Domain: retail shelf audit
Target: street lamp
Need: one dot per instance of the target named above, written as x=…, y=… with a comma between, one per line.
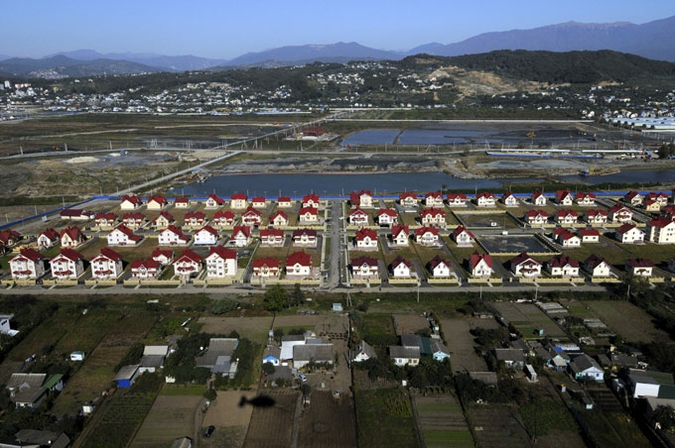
x=418, y=290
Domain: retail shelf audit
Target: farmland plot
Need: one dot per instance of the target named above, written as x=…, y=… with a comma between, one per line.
x=273, y=427
x=253, y=328
x=628, y=321
x=170, y=417
x=527, y=318
x=328, y=422
x=461, y=344
x=498, y=425
x=441, y=421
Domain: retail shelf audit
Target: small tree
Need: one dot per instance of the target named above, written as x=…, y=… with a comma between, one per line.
x=268, y=368
x=275, y=299
x=297, y=297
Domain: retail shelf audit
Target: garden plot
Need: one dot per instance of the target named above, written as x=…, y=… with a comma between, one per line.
x=254, y=328
x=409, y=323
x=463, y=355
x=441, y=422
x=527, y=318
x=628, y=321
x=328, y=422
x=272, y=427
x=169, y=418
x=498, y=425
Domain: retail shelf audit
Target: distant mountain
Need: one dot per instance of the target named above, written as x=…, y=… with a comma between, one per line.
x=653, y=40
x=4, y=56
x=61, y=67
x=163, y=62
x=339, y=52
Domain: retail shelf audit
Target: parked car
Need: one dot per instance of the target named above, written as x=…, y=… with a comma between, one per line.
x=209, y=431
x=302, y=377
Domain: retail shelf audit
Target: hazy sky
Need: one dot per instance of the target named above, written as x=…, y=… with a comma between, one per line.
x=226, y=29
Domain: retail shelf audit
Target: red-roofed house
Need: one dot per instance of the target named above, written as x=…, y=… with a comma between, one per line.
x=640, y=267
x=272, y=237
x=427, y=236
x=596, y=217
x=67, y=265
x=439, y=267
x=266, y=267
x=145, y=269
x=564, y=197
x=133, y=220
x=358, y=217
x=9, y=238
x=76, y=214
x=480, y=265
x=566, y=238
x=408, y=199
x=652, y=206
x=299, y=264
x=400, y=267
x=586, y=199
x=189, y=264
x=661, y=230
x=163, y=256
x=284, y=202
x=194, y=220
x=305, y=237
x=29, y=264
x=387, y=217
x=207, y=235
x=659, y=197
x=457, y=200
x=105, y=220
x=238, y=201
x=123, y=236
x=630, y=234
x=566, y=217
x=363, y=198
x=107, y=265
x=182, y=202
x=173, y=236
x=536, y=217
x=221, y=262
x=309, y=215
x=47, y=238
x=213, y=202
x=365, y=267
x=400, y=235
x=525, y=266
x=130, y=203
x=589, y=235
x=279, y=219
x=563, y=266
x=366, y=239
x=486, y=199
x=597, y=266
x=509, y=200
x=163, y=221
x=463, y=237
x=157, y=202
x=633, y=197
x=538, y=199
x=259, y=202
x=433, y=217
x=433, y=199
x=620, y=213
x=241, y=235
x=224, y=219
x=71, y=237
x=251, y=217
x=310, y=200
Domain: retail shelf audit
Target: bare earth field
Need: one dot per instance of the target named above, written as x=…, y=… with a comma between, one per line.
x=170, y=417
x=328, y=422
x=273, y=427
x=460, y=342
x=498, y=426
x=230, y=420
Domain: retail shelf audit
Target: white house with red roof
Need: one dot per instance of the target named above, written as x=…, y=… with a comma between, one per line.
x=463, y=237
x=29, y=264
x=47, y=238
x=299, y=264
x=225, y=218
x=76, y=214
x=365, y=268
x=652, y=206
x=259, y=202
x=305, y=237
x=597, y=266
x=661, y=230
x=71, y=237
x=620, y=213
x=145, y=269
x=400, y=235
x=630, y=234
x=266, y=268
x=427, y=236
x=566, y=238
x=163, y=220
x=188, y=264
x=660, y=197
x=358, y=217
x=433, y=217
x=238, y=201
x=525, y=266
x=123, y=236
x=439, y=267
x=284, y=202
x=566, y=217
x=221, y=262
x=433, y=199
x=633, y=198
x=387, y=217
x=67, y=265
x=538, y=199
x=309, y=215
x=586, y=199
x=241, y=235
x=105, y=220
x=509, y=199
x=311, y=200
x=213, y=202
x=207, y=235
x=486, y=199
x=408, y=199
x=157, y=202
x=251, y=217
x=564, y=197
x=640, y=267
x=400, y=267
x=195, y=220
x=181, y=202
x=480, y=265
x=596, y=217
x=363, y=198
x=538, y=217
x=162, y=256
x=130, y=203
x=279, y=219
x=457, y=200
x=173, y=236
x=563, y=266
x=589, y=235
x=272, y=237
x=133, y=220
x=107, y=265
x=9, y=238
x=366, y=239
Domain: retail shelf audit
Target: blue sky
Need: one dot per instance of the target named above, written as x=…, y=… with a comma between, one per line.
x=226, y=29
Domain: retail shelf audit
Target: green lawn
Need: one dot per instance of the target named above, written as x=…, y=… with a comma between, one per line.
x=448, y=438
x=384, y=419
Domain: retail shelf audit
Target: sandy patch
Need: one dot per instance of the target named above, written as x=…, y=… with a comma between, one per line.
x=83, y=159
x=225, y=410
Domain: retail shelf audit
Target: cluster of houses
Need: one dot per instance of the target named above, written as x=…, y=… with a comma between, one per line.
x=299, y=351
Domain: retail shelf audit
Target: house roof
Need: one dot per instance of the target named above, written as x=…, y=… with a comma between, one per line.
x=135, y=216
x=132, y=199
x=164, y=214
x=32, y=380
x=208, y=229
x=30, y=254
x=432, y=212
x=462, y=229
x=396, y=229
x=477, y=258
x=196, y=215
x=271, y=351
x=310, y=210
x=360, y=261
x=640, y=263
x=222, y=252
x=266, y=233
x=217, y=199
x=148, y=264
x=628, y=228
x=509, y=354
x=310, y=197
x=594, y=260
x=226, y=214
x=582, y=363
x=69, y=253
x=366, y=348
x=284, y=199
x=246, y=230
x=74, y=233
x=124, y=229
x=158, y=252
x=239, y=197
x=588, y=232
x=400, y=260
x=316, y=352
x=110, y=254
x=110, y=216
x=279, y=213
x=358, y=212
x=266, y=261
x=560, y=261
x=438, y=260
x=408, y=195
x=126, y=372
x=188, y=256
x=250, y=211
x=522, y=258
x=387, y=211
x=398, y=351
x=364, y=233
x=301, y=232
x=420, y=231
x=302, y=258
x=181, y=200
x=50, y=233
